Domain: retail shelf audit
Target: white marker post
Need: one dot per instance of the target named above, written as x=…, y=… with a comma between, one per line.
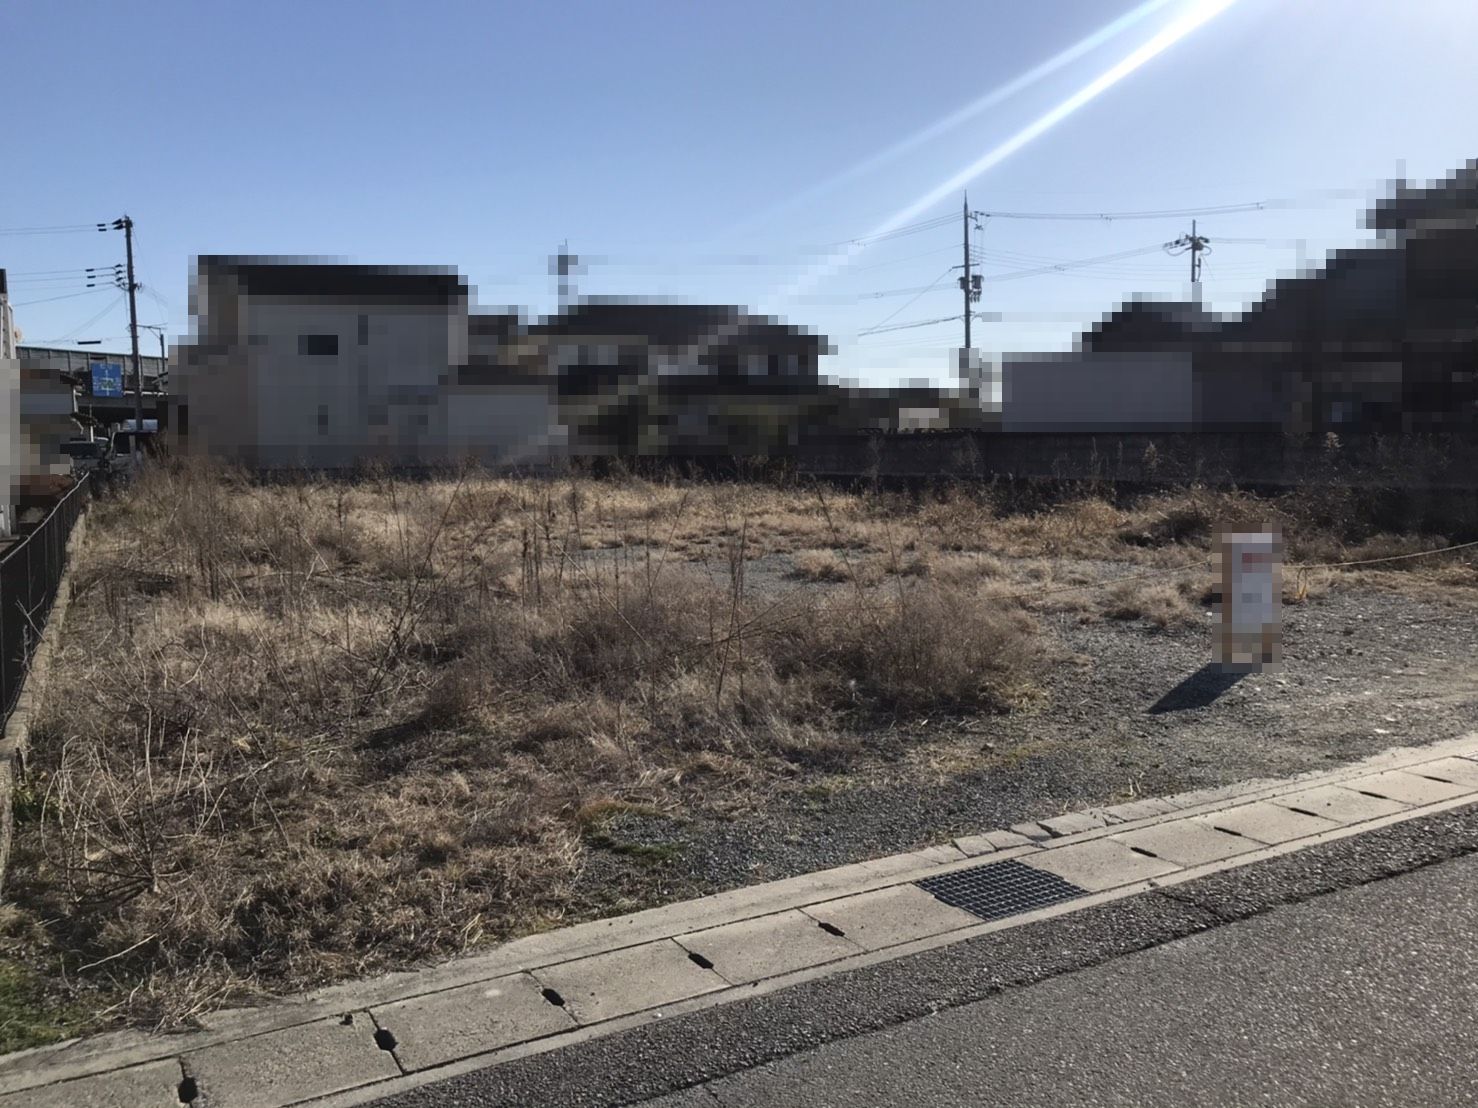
x=1250, y=636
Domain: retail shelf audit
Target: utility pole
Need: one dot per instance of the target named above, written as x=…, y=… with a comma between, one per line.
x=1195, y=244
x=125, y=224
x=970, y=288
x=969, y=283
x=565, y=263
x=965, y=279
x=163, y=357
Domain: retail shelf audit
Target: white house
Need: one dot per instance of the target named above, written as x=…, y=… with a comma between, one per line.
x=298, y=363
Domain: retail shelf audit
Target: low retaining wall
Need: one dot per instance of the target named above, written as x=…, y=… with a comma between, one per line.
x=14, y=739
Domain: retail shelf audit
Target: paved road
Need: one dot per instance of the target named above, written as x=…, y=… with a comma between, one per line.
x=1364, y=997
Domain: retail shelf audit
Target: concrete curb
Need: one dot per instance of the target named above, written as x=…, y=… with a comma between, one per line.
x=15, y=739
x=660, y=1058
x=609, y=976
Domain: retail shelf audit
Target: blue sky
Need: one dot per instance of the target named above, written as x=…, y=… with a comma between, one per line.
x=679, y=146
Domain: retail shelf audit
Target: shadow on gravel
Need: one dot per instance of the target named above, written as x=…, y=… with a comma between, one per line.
x=1198, y=690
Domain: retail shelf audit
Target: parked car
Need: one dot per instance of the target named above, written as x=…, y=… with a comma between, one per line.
x=123, y=446
x=89, y=455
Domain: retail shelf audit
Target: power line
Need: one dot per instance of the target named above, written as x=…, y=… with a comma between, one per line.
x=1080, y=263
x=68, y=296
x=899, y=261
x=899, y=311
x=1174, y=213
x=899, y=232
x=880, y=330
x=88, y=323
x=53, y=272
x=65, y=229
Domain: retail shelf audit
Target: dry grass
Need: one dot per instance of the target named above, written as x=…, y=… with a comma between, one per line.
x=316, y=730
x=1163, y=603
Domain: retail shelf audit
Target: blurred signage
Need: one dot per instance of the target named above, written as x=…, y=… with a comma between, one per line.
x=1252, y=594
x=107, y=379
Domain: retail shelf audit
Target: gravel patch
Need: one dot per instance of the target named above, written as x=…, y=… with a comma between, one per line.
x=1139, y=713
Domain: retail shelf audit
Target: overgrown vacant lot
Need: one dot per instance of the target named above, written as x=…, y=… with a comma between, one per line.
x=301, y=732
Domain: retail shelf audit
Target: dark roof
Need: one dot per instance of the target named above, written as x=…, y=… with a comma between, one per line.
x=501, y=324
x=1359, y=291
x=664, y=324
x=1141, y=325
x=265, y=276
x=1454, y=198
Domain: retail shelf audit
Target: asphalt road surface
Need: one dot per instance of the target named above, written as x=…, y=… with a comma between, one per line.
x=1367, y=996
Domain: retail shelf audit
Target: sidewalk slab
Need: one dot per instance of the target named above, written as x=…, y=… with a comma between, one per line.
x=1007, y=840
x=155, y=1085
x=1142, y=809
x=1343, y=805
x=630, y=980
x=1071, y=824
x=754, y=949
x=972, y=846
x=1186, y=842
x=459, y=1023
x=1269, y=823
x=889, y=917
x=1099, y=864
x=1409, y=788
x=1461, y=771
x=284, y=1067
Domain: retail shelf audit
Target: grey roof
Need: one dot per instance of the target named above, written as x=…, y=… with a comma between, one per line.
x=308, y=277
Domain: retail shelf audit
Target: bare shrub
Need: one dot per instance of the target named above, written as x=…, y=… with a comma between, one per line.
x=1163, y=603
x=929, y=649
x=819, y=565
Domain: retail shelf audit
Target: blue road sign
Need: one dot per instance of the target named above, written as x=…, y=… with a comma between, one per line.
x=107, y=379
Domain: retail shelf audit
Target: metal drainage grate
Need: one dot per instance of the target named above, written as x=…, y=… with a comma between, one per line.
x=999, y=889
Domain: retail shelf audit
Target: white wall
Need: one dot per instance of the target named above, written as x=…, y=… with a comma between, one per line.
x=1096, y=392
x=380, y=398
x=513, y=424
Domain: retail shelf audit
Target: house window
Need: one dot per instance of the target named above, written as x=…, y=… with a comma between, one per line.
x=318, y=344
x=364, y=330
x=323, y=419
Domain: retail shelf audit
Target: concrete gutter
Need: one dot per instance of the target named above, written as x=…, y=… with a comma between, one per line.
x=15, y=738
x=370, y=1039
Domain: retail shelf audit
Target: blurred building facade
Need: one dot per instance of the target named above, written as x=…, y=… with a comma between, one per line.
x=299, y=363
